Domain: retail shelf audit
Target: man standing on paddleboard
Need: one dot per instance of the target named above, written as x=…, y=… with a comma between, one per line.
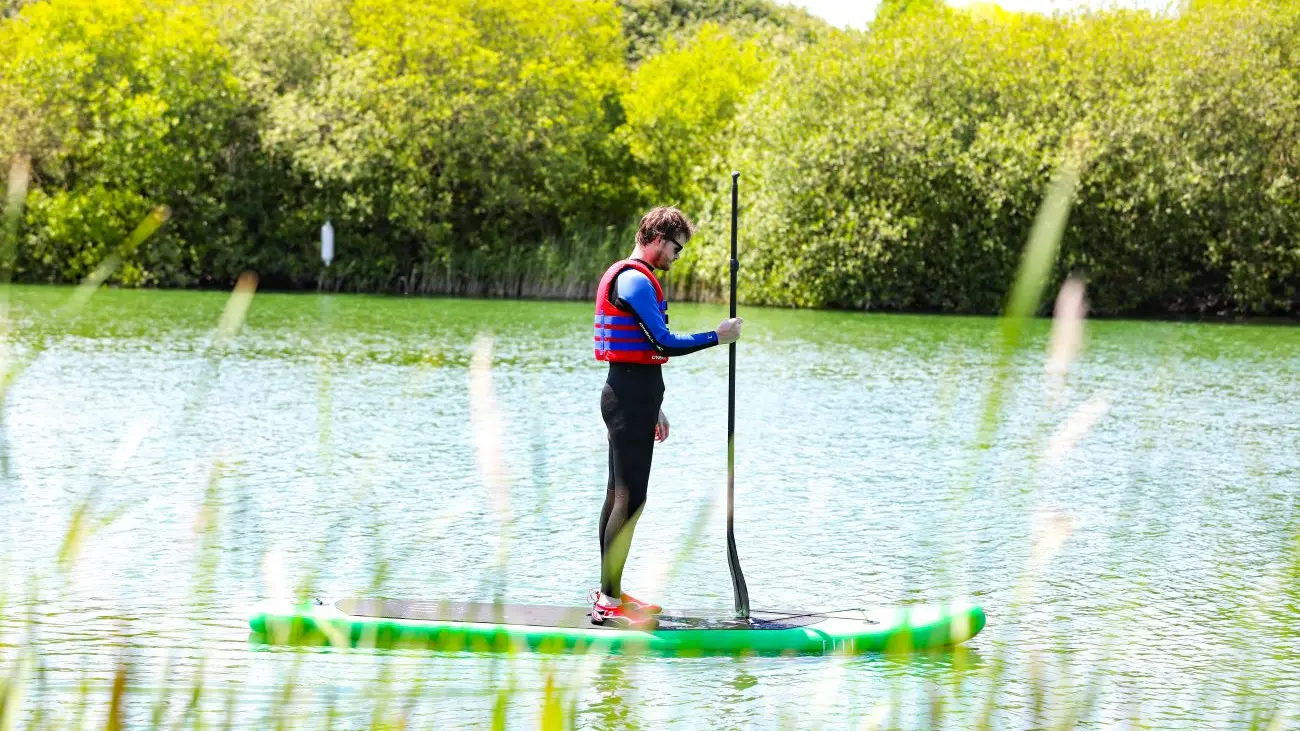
x=632, y=335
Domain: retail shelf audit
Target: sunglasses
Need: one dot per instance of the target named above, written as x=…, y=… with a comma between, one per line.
x=677, y=247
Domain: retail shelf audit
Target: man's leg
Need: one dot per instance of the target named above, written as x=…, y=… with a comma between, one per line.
x=608, y=507
x=631, y=473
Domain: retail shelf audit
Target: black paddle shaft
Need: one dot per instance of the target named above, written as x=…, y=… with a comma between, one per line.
x=733, y=560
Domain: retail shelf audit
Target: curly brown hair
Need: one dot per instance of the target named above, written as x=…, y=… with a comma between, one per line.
x=663, y=221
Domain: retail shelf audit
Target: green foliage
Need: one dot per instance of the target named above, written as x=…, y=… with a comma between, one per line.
x=124, y=105
x=70, y=233
x=11, y=7
x=1193, y=177
x=896, y=168
x=461, y=125
x=282, y=45
x=680, y=103
x=912, y=159
x=889, y=10
x=650, y=24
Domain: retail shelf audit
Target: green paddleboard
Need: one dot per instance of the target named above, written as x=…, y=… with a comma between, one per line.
x=454, y=626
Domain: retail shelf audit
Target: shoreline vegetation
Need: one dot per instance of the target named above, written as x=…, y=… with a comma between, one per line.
x=506, y=148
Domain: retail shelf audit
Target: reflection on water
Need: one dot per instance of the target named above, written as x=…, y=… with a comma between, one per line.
x=1148, y=568
x=615, y=693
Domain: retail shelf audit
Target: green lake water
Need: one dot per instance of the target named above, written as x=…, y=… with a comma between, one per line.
x=1146, y=567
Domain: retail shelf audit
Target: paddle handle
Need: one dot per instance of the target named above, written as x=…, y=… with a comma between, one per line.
x=733, y=559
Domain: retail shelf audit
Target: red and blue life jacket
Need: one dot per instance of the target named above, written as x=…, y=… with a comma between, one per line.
x=619, y=337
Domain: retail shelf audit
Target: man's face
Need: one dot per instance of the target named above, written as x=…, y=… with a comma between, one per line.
x=666, y=250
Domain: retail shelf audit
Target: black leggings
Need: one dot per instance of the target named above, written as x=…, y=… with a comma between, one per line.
x=630, y=405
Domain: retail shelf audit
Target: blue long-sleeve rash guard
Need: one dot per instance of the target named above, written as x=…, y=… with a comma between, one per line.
x=633, y=291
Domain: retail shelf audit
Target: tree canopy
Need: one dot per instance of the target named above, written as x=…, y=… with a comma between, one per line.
x=494, y=141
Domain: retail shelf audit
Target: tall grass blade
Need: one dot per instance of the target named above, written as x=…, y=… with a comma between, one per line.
x=146, y=228
x=117, y=700
x=1035, y=269
x=485, y=421
x=20, y=175
x=1066, y=339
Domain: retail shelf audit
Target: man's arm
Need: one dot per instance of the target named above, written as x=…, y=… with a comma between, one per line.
x=635, y=293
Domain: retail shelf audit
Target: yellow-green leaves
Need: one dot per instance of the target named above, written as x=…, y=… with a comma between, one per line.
x=901, y=168
x=460, y=120
x=898, y=167
x=680, y=103
x=123, y=106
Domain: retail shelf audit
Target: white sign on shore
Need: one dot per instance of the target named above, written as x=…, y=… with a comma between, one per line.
x=327, y=243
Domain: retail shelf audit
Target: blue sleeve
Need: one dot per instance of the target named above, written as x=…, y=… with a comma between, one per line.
x=636, y=293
